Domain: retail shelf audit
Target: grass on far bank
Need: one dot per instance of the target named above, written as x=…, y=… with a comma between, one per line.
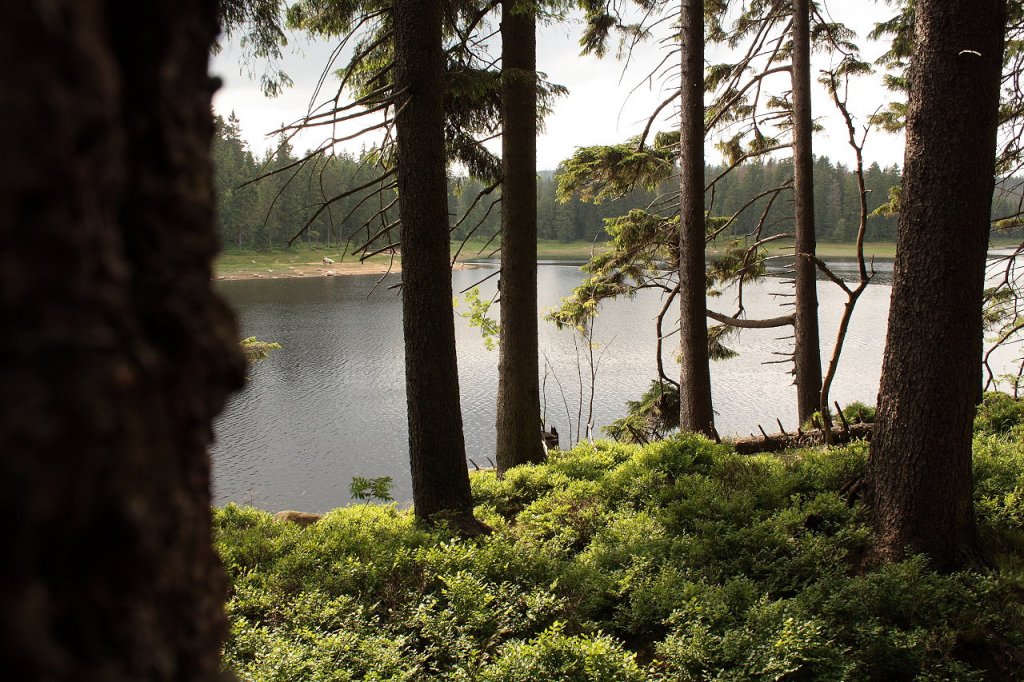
x=838, y=249
x=234, y=261
x=679, y=560
x=582, y=250
x=237, y=261
x=875, y=249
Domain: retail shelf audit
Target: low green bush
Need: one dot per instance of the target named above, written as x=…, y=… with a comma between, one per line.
x=998, y=414
x=854, y=413
x=859, y=413
x=553, y=655
x=679, y=560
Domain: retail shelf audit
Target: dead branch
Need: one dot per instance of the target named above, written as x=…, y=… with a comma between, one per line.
x=769, y=323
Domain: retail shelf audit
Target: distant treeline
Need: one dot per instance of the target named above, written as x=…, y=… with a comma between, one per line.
x=267, y=213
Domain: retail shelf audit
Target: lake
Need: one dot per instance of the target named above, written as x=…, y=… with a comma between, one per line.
x=330, y=404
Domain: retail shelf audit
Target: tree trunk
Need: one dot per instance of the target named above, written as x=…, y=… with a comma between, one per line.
x=437, y=451
x=919, y=472
x=695, y=407
x=518, y=421
x=117, y=353
x=807, y=352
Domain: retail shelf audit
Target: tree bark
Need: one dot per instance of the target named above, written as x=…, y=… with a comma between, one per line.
x=695, y=411
x=116, y=353
x=919, y=473
x=777, y=442
x=807, y=353
x=437, y=450
x=518, y=413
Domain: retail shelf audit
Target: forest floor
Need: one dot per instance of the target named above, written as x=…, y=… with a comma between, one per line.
x=678, y=560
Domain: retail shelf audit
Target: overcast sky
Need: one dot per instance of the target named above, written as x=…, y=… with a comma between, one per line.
x=605, y=103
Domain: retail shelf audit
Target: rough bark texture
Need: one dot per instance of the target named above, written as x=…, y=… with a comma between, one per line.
x=807, y=353
x=518, y=420
x=919, y=472
x=116, y=352
x=695, y=411
x=437, y=450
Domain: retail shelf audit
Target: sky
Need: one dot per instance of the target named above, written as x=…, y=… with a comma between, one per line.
x=608, y=101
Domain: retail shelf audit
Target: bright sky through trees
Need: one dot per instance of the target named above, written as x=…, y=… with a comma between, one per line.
x=604, y=104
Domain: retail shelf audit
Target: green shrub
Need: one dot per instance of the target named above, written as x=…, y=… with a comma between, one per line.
x=315, y=637
x=460, y=625
x=769, y=643
x=553, y=655
x=591, y=461
x=520, y=486
x=859, y=413
x=999, y=495
x=998, y=414
x=855, y=413
x=248, y=539
x=816, y=469
x=643, y=476
x=565, y=520
x=679, y=560
x=903, y=621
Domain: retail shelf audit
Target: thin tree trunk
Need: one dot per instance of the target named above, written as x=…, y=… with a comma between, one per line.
x=807, y=354
x=117, y=353
x=518, y=421
x=696, y=412
x=852, y=295
x=437, y=451
x=919, y=473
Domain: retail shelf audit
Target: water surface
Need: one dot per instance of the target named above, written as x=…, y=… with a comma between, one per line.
x=331, y=404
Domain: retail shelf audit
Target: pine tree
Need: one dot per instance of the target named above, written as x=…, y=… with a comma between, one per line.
x=119, y=349
x=919, y=472
x=518, y=408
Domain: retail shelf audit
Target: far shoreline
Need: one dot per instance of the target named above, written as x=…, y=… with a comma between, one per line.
x=309, y=262
x=260, y=270
x=265, y=270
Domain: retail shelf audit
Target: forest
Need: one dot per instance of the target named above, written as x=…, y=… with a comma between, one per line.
x=264, y=215
x=878, y=541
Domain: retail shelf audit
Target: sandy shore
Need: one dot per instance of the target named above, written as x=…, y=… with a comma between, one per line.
x=317, y=270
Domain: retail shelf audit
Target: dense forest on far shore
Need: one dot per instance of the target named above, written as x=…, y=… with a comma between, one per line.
x=266, y=214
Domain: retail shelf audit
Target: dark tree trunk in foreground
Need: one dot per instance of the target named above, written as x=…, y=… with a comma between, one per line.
x=116, y=352
x=518, y=422
x=437, y=451
x=696, y=413
x=919, y=472
x=807, y=350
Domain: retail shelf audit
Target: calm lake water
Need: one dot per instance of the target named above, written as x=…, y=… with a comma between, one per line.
x=330, y=404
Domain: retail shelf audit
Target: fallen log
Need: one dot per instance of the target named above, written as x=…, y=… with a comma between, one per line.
x=776, y=442
x=302, y=519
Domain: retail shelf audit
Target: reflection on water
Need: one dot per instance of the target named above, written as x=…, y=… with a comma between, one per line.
x=331, y=404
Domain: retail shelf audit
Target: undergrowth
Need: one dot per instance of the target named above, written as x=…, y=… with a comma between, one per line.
x=675, y=561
